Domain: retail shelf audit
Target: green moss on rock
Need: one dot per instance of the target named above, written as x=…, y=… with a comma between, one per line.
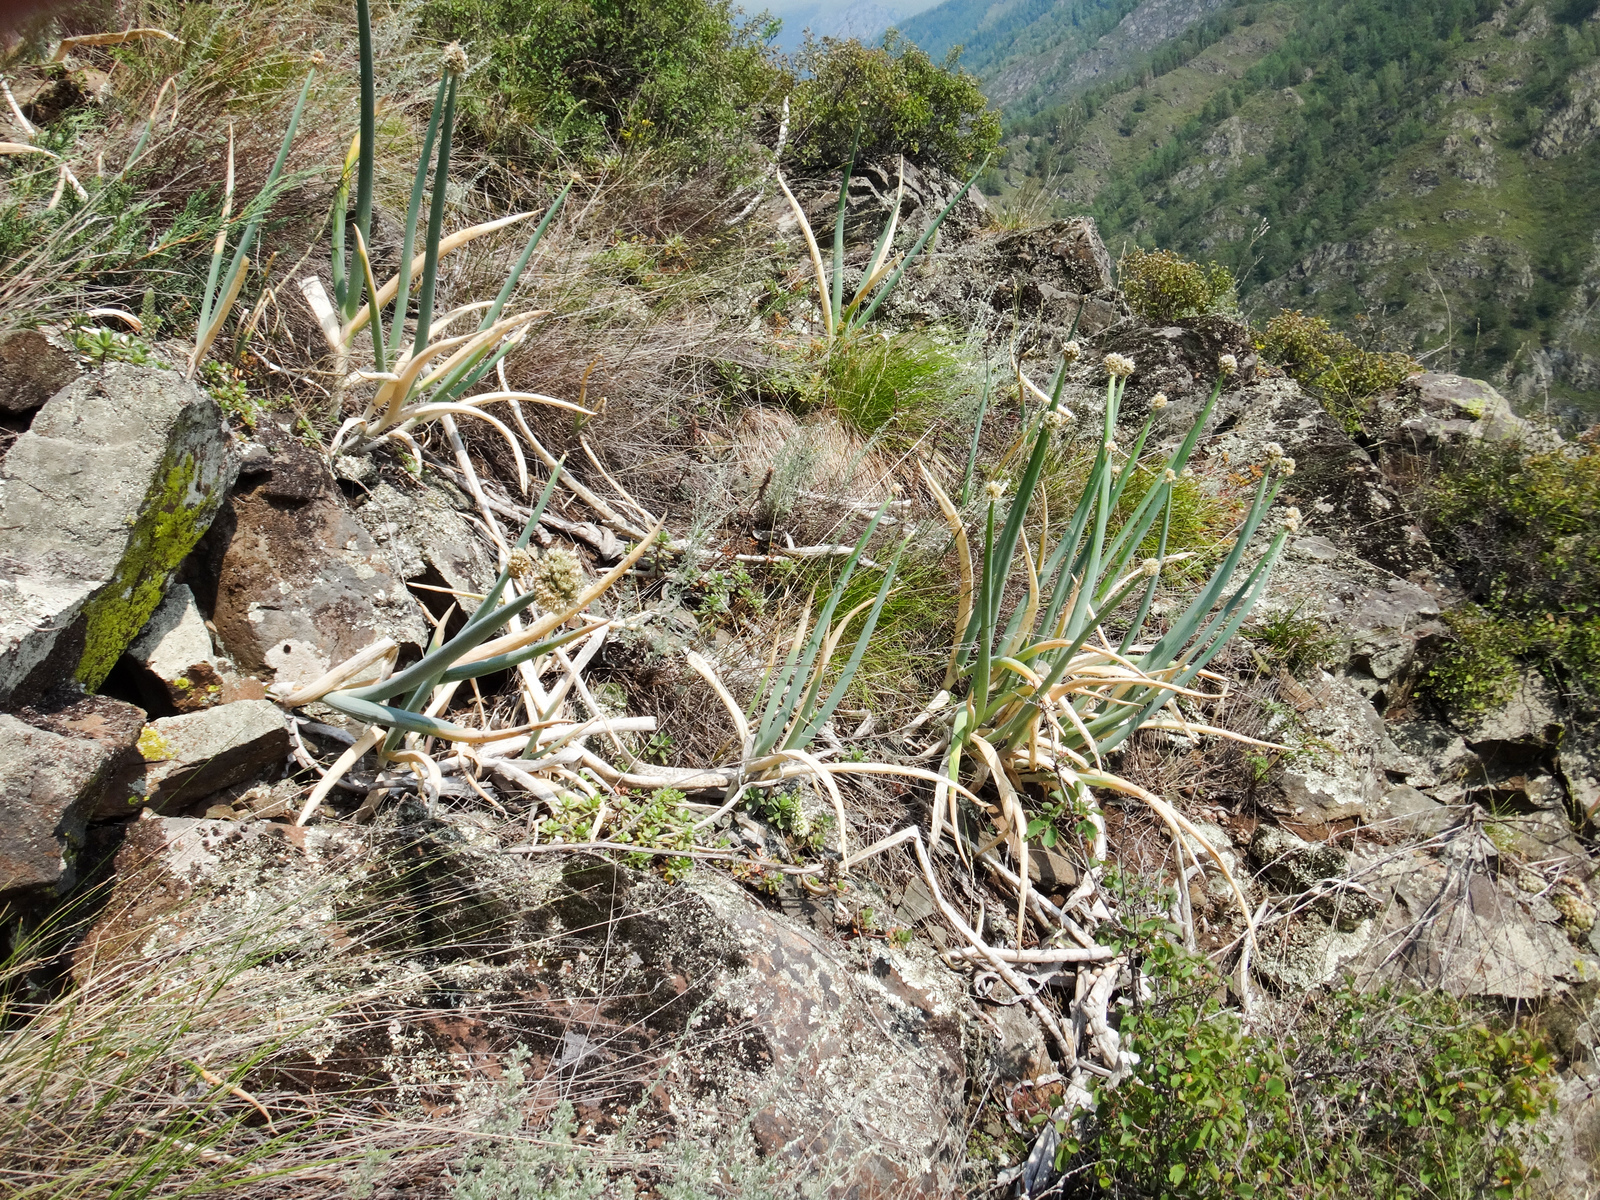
x=175, y=513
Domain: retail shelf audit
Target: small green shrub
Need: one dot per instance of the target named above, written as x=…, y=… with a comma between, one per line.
x=1523, y=531
x=1372, y=1094
x=902, y=101
x=574, y=78
x=1162, y=286
x=1479, y=670
x=1340, y=373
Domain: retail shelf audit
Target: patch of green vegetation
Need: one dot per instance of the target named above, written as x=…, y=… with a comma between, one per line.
x=1293, y=641
x=1373, y=1093
x=1332, y=367
x=901, y=100
x=895, y=387
x=1161, y=286
x=911, y=643
x=657, y=821
x=1524, y=533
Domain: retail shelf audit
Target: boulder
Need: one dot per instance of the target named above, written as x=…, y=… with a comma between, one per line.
x=1038, y=284
x=188, y=757
x=32, y=369
x=1529, y=723
x=1336, y=771
x=1181, y=359
x=301, y=585
x=113, y=484
x=1434, y=410
x=55, y=769
x=174, y=653
x=1417, y=813
x=1451, y=921
x=687, y=1010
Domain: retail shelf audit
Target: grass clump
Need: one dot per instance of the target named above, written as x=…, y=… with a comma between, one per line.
x=1376, y=1093
x=1162, y=286
x=898, y=386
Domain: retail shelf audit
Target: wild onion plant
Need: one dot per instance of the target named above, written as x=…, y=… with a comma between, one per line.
x=411, y=389
x=841, y=319
x=1048, y=690
x=407, y=702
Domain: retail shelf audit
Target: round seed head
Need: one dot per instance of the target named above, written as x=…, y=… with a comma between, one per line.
x=454, y=59
x=521, y=564
x=1274, y=452
x=1056, y=420
x=1228, y=364
x=1119, y=366
x=1151, y=566
x=1286, y=465
x=318, y=58
x=1171, y=476
x=1158, y=401
x=1291, y=520
x=994, y=489
x=557, y=579
x=1072, y=351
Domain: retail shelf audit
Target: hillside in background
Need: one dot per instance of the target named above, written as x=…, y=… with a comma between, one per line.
x=1422, y=170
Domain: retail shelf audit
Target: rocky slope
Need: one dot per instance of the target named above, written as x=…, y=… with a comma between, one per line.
x=414, y=954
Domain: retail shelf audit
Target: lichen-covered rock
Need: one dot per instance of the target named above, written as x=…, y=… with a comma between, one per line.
x=690, y=1010
x=1433, y=410
x=174, y=653
x=187, y=757
x=1335, y=770
x=1181, y=359
x=301, y=585
x=55, y=768
x=425, y=538
x=1035, y=283
x=111, y=487
x=1451, y=921
x=32, y=369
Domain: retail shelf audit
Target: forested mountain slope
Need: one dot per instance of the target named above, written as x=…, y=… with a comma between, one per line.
x=1426, y=169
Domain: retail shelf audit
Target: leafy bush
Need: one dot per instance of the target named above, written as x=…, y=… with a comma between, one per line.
x=1524, y=532
x=573, y=77
x=1373, y=1094
x=1341, y=373
x=1162, y=286
x=903, y=101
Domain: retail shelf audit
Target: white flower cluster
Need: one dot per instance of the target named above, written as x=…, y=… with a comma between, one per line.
x=1171, y=476
x=1118, y=366
x=1158, y=401
x=1228, y=364
x=1291, y=520
x=556, y=579
x=1056, y=419
x=1072, y=352
x=1286, y=466
x=520, y=563
x=454, y=59
x=1151, y=566
x=995, y=489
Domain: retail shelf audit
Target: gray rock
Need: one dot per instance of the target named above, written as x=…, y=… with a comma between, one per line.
x=421, y=532
x=1452, y=922
x=1293, y=864
x=1336, y=772
x=188, y=757
x=301, y=585
x=619, y=987
x=1529, y=721
x=1417, y=813
x=112, y=486
x=1434, y=410
x=174, y=650
x=32, y=369
x=1579, y=763
x=54, y=771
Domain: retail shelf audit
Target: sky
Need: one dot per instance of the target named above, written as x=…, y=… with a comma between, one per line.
x=865, y=19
